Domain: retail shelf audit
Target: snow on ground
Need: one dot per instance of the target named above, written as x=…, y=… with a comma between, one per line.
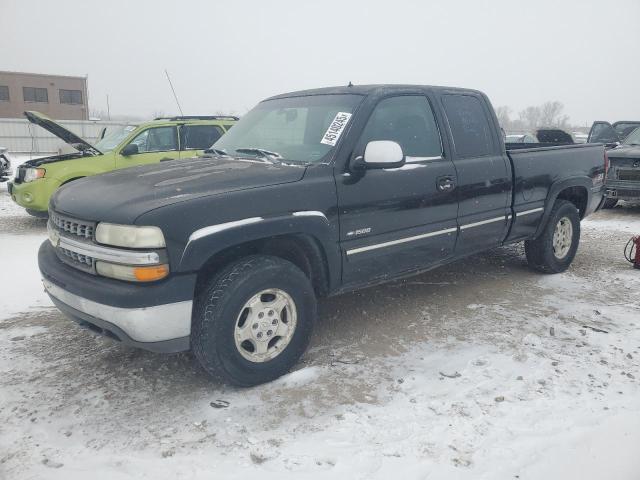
x=481, y=370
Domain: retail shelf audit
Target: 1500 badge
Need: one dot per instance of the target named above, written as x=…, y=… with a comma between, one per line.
x=360, y=231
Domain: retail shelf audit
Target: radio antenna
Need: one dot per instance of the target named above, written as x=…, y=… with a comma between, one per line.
x=174, y=92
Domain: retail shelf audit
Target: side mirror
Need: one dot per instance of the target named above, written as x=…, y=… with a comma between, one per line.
x=380, y=154
x=130, y=149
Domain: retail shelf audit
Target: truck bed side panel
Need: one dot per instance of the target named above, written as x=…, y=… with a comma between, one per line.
x=541, y=174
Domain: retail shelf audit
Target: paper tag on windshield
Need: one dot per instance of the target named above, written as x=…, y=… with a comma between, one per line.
x=336, y=128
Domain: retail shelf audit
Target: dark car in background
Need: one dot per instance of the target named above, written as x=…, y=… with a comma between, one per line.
x=623, y=140
x=5, y=165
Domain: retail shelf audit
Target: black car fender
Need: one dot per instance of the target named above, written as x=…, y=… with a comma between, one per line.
x=554, y=192
x=208, y=241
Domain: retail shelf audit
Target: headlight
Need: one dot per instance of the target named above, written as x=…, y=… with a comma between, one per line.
x=31, y=174
x=129, y=236
x=132, y=273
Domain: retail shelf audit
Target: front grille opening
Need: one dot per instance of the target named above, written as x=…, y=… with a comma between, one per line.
x=629, y=175
x=73, y=226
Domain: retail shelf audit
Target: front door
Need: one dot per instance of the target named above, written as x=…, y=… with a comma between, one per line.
x=484, y=173
x=401, y=219
x=603, y=132
x=155, y=144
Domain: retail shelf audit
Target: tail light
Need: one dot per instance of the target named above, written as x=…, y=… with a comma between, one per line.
x=606, y=164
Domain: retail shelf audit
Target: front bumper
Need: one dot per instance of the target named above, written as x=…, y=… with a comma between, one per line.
x=154, y=317
x=623, y=191
x=33, y=195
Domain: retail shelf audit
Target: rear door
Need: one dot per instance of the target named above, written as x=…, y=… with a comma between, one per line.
x=603, y=132
x=401, y=219
x=483, y=171
x=155, y=144
x=194, y=139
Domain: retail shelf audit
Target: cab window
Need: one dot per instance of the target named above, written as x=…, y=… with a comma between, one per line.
x=199, y=137
x=157, y=139
x=470, y=127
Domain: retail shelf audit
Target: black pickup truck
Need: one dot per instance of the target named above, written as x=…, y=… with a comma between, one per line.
x=311, y=194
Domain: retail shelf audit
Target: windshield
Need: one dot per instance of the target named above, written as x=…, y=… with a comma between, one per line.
x=114, y=137
x=296, y=129
x=623, y=129
x=633, y=138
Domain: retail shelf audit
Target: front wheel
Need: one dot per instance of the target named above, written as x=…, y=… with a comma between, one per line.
x=554, y=250
x=253, y=321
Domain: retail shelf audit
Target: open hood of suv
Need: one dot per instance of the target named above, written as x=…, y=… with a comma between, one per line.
x=61, y=132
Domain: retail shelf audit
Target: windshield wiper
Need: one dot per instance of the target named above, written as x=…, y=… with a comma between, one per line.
x=217, y=152
x=261, y=152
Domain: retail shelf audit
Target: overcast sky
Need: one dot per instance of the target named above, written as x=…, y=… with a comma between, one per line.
x=227, y=55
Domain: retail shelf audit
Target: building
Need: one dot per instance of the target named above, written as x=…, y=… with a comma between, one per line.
x=59, y=97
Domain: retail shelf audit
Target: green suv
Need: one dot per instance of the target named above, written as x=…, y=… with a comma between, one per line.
x=163, y=139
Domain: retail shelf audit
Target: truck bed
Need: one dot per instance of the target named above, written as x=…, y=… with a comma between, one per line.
x=535, y=170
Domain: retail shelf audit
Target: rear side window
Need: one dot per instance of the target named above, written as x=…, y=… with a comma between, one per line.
x=407, y=120
x=199, y=137
x=469, y=125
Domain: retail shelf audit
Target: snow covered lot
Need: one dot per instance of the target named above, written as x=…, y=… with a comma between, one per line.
x=481, y=370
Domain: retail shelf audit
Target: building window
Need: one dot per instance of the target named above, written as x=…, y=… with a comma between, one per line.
x=32, y=94
x=71, y=97
x=4, y=93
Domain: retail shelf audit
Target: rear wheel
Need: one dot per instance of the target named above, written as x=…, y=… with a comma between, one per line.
x=253, y=321
x=554, y=250
x=610, y=203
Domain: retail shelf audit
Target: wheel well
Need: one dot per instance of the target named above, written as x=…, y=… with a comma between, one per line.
x=70, y=180
x=576, y=195
x=304, y=251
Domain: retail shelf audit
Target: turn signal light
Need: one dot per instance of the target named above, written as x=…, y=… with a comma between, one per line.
x=151, y=274
x=132, y=273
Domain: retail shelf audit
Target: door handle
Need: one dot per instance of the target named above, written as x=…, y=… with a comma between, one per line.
x=445, y=183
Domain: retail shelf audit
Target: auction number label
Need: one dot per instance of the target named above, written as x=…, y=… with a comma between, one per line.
x=336, y=128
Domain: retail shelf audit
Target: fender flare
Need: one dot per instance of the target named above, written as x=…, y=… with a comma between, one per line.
x=207, y=241
x=555, y=189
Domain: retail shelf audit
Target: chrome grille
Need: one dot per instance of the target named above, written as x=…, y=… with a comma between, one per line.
x=73, y=226
x=77, y=260
x=629, y=175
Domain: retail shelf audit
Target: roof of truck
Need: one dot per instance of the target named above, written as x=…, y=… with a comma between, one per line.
x=371, y=89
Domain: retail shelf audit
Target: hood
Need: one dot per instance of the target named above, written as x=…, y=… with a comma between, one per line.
x=61, y=132
x=36, y=162
x=624, y=151
x=123, y=195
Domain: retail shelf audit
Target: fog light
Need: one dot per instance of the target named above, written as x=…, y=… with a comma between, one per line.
x=27, y=197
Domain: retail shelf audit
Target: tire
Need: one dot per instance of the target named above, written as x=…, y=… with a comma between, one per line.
x=38, y=214
x=609, y=203
x=541, y=253
x=221, y=310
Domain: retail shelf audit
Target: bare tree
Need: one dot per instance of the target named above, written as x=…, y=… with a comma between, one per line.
x=504, y=119
x=551, y=114
x=530, y=117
